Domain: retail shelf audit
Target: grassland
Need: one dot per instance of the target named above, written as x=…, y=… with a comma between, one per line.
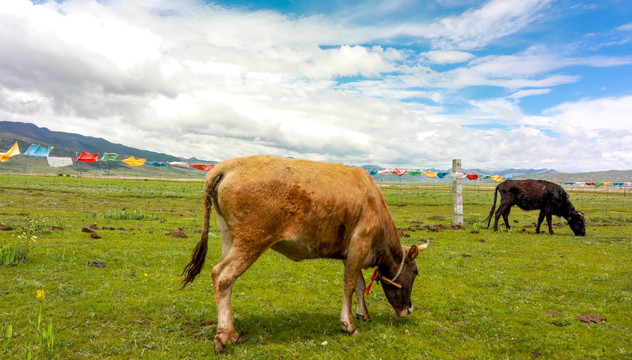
x=481, y=295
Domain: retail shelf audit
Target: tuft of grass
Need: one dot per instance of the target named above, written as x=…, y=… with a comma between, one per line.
x=16, y=251
x=125, y=215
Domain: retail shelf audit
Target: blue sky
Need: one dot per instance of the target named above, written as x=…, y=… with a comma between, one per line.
x=498, y=84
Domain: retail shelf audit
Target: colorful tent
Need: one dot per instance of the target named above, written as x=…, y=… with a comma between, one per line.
x=37, y=151
x=131, y=161
x=15, y=150
x=87, y=157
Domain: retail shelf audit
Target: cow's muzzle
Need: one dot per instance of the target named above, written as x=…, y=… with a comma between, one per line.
x=405, y=312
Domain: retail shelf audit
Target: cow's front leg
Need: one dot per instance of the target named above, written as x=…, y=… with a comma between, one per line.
x=540, y=219
x=549, y=221
x=350, y=279
x=361, y=312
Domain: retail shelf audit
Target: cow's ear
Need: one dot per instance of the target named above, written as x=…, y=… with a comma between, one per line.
x=412, y=253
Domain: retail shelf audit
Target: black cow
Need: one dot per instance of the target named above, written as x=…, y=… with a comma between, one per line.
x=546, y=196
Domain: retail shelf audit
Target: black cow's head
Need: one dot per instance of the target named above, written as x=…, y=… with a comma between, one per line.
x=400, y=298
x=577, y=223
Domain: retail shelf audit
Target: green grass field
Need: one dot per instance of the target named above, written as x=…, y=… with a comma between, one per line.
x=480, y=295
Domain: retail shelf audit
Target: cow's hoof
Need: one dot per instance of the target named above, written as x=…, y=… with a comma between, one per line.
x=218, y=345
x=349, y=329
x=364, y=317
x=222, y=338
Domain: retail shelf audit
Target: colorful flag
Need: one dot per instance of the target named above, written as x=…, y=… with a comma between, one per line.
x=15, y=150
x=498, y=178
x=399, y=172
x=373, y=171
x=87, y=157
x=442, y=174
x=131, y=161
x=431, y=174
x=205, y=167
x=37, y=151
x=54, y=161
x=414, y=172
x=471, y=176
x=108, y=157
x=179, y=164
x=155, y=163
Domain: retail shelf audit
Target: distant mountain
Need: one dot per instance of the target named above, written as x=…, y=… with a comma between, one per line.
x=68, y=144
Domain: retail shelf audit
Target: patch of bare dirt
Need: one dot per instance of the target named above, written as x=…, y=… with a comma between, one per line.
x=591, y=318
x=95, y=263
x=178, y=234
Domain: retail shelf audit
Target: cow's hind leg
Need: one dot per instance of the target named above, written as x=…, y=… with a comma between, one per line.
x=549, y=221
x=224, y=274
x=496, y=217
x=506, y=217
x=361, y=312
x=503, y=209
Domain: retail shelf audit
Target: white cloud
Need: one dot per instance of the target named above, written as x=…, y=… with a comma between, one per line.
x=476, y=28
x=531, y=92
x=626, y=27
x=595, y=114
x=447, y=56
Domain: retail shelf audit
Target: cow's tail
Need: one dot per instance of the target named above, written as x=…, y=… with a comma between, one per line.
x=194, y=267
x=491, y=212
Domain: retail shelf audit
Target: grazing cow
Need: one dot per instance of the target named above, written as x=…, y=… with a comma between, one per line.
x=304, y=210
x=546, y=196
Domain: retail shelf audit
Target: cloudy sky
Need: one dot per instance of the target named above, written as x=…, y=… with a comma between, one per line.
x=407, y=83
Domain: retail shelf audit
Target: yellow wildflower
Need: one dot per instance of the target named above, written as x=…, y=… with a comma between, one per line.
x=40, y=295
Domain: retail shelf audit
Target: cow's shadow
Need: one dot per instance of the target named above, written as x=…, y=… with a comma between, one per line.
x=287, y=326
x=283, y=327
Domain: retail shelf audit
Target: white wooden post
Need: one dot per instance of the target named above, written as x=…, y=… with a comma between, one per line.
x=457, y=192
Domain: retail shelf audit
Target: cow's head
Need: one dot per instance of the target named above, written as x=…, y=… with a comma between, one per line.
x=577, y=223
x=400, y=297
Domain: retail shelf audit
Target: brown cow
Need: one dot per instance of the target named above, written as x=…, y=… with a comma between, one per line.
x=304, y=210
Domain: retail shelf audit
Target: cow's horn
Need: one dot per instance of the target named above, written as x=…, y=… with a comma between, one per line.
x=423, y=246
